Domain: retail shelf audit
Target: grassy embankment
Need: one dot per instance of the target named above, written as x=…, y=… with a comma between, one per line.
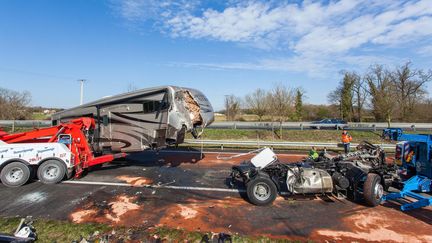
x=288, y=135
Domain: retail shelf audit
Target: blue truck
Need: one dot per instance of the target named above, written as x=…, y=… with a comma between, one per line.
x=414, y=157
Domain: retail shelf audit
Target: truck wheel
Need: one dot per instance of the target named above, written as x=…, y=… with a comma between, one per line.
x=261, y=191
x=51, y=172
x=373, y=191
x=15, y=174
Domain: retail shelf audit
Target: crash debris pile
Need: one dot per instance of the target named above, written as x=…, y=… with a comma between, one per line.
x=362, y=174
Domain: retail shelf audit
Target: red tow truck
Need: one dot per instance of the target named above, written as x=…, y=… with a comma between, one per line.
x=54, y=153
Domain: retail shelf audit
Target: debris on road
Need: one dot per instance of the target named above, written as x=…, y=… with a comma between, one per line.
x=223, y=237
x=25, y=232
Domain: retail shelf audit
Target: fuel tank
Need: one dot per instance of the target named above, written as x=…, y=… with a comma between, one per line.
x=308, y=180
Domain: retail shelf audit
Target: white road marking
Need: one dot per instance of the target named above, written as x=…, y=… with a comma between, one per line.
x=188, y=188
x=212, y=152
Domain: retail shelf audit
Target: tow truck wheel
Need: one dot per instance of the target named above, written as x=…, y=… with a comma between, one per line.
x=261, y=191
x=51, y=172
x=15, y=174
x=373, y=191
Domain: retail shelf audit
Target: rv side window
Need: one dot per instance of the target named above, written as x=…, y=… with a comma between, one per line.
x=150, y=106
x=105, y=120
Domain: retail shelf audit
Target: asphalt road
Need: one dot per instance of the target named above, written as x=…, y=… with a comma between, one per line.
x=183, y=190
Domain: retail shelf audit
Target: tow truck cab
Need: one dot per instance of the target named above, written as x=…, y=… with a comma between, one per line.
x=414, y=157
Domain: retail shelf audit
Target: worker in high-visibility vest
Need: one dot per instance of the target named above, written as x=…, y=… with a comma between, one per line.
x=313, y=154
x=346, y=141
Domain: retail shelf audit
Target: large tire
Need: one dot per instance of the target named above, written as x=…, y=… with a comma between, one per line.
x=51, y=172
x=15, y=174
x=261, y=191
x=373, y=190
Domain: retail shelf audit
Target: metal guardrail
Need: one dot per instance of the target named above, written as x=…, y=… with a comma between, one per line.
x=368, y=126
x=24, y=123
x=258, y=143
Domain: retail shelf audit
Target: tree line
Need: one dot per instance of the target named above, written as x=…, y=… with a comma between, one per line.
x=397, y=94
x=279, y=104
x=380, y=94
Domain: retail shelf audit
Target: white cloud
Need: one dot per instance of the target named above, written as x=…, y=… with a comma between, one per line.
x=313, y=34
x=406, y=31
x=317, y=68
x=425, y=50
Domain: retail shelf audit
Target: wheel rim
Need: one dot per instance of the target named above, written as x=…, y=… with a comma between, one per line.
x=51, y=172
x=262, y=191
x=378, y=191
x=15, y=174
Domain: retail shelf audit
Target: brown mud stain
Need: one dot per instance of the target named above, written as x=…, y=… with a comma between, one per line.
x=120, y=208
x=135, y=181
x=378, y=224
x=82, y=215
x=215, y=215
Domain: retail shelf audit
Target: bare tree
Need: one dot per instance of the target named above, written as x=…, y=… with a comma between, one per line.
x=281, y=100
x=232, y=107
x=409, y=87
x=257, y=103
x=422, y=112
x=347, y=85
x=360, y=95
x=382, y=93
x=335, y=98
x=13, y=105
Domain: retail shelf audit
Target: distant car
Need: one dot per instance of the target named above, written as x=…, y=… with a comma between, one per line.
x=329, y=124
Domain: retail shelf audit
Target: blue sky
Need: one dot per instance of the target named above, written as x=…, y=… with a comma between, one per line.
x=230, y=47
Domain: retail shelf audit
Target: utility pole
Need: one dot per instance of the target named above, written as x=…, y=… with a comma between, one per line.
x=82, y=90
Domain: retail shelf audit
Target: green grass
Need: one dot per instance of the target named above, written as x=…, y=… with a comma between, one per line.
x=288, y=135
x=54, y=231
x=40, y=116
x=64, y=231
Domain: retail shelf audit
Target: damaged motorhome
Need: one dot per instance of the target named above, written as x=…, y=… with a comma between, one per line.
x=142, y=119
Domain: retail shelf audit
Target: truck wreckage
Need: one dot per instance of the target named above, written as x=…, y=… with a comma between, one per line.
x=361, y=174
